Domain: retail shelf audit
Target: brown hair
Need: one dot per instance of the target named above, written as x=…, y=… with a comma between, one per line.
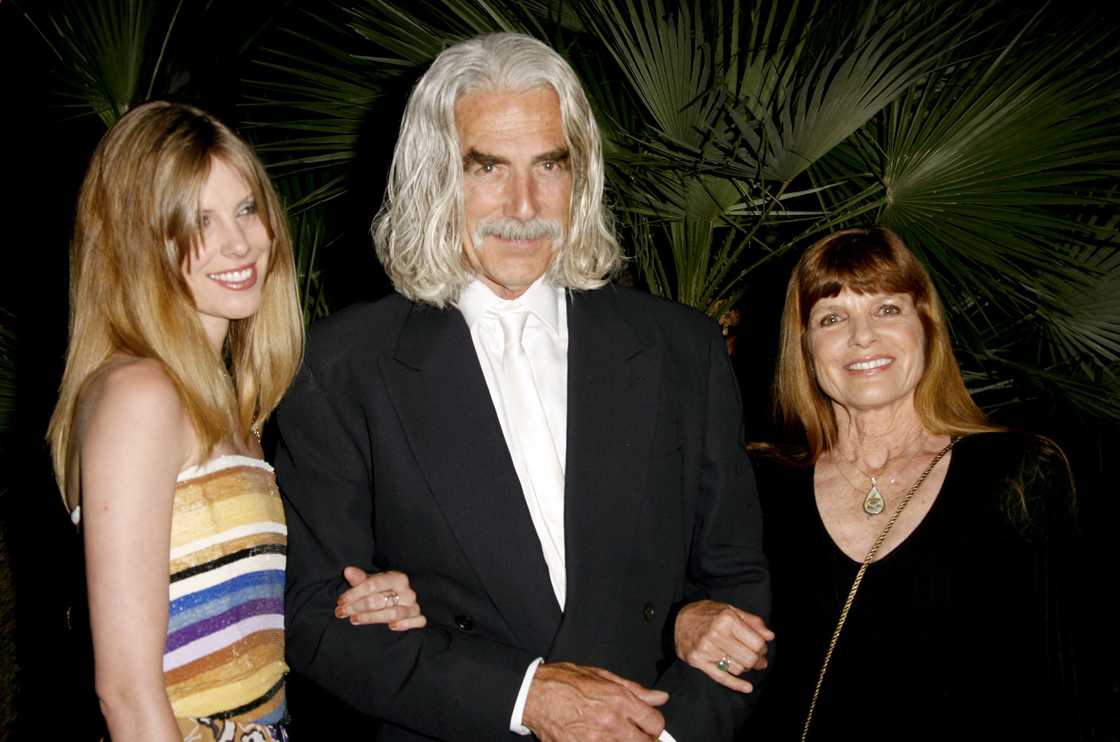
x=137, y=225
x=865, y=261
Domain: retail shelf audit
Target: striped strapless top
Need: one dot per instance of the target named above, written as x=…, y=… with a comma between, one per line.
x=224, y=660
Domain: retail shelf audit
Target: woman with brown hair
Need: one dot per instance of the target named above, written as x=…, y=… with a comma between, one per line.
x=185, y=332
x=917, y=550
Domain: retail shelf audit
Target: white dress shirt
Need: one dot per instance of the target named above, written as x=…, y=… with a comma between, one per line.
x=545, y=340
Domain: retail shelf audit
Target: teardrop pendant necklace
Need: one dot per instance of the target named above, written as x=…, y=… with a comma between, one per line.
x=873, y=501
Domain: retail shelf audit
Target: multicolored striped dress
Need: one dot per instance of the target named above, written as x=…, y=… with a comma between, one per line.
x=224, y=660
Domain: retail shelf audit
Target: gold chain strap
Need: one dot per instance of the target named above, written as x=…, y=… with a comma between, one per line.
x=859, y=578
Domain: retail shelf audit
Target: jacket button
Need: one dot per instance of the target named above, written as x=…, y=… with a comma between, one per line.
x=464, y=622
x=648, y=612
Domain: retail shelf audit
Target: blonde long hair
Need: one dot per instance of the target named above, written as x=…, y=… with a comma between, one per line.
x=862, y=260
x=137, y=224
x=419, y=230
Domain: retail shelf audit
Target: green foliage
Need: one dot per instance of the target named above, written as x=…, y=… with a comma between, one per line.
x=106, y=51
x=307, y=117
x=995, y=169
x=309, y=236
x=112, y=55
x=738, y=131
x=735, y=132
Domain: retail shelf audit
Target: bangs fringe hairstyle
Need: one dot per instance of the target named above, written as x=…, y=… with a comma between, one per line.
x=137, y=224
x=867, y=261
x=419, y=232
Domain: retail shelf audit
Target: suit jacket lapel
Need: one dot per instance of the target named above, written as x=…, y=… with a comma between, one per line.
x=441, y=398
x=612, y=405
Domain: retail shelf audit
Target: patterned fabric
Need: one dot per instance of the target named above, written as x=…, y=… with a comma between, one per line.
x=224, y=660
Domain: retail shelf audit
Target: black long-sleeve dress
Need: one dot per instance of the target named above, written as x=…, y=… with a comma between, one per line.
x=961, y=632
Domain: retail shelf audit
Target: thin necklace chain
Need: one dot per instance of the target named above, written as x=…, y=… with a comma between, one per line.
x=882, y=470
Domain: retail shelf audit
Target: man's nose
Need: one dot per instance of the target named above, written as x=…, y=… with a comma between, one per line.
x=522, y=201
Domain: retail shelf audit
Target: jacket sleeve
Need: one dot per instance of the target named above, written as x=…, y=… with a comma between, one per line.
x=725, y=562
x=436, y=681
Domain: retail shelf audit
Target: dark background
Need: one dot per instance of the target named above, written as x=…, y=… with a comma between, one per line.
x=44, y=156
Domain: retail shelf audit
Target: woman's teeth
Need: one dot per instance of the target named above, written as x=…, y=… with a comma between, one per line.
x=232, y=276
x=868, y=365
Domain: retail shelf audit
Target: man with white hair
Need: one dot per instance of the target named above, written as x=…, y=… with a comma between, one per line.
x=556, y=463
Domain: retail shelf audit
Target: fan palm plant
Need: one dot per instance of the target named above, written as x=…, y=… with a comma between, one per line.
x=111, y=56
x=737, y=131
x=997, y=169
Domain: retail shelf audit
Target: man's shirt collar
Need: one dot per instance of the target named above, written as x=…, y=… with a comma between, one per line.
x=542, y=299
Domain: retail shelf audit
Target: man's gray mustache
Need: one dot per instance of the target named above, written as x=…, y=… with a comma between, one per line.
x=515, y=229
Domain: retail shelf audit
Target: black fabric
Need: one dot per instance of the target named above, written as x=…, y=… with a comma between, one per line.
x=960, y=632
x=391, y=456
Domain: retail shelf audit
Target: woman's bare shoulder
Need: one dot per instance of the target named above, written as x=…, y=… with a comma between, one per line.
x=130, y=382
x=132, y=398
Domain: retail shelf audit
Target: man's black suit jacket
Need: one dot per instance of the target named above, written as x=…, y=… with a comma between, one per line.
x=391, y=457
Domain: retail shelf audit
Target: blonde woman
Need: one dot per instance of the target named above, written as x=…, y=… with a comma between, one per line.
x=185, y=332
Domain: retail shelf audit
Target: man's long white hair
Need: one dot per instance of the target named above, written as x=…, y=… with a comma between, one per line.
x=419, y=232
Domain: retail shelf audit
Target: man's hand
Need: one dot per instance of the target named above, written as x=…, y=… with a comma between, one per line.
x=576, y=702
x=707, y=631
x=381, y=597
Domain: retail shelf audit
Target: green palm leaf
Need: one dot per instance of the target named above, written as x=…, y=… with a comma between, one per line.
x=310, y=117
x=669, y=72
x=311, y=235
x=818, y=97
x=985, y=162
x=737, y=130
x=107, y=51
x=675, y=214
x=316, y=86
x=414, y=36
x=991, y=169
x=1085, y=331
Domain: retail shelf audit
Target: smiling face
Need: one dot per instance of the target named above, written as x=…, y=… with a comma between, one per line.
x=517, y=185
x=226, y=272
x=868, y=350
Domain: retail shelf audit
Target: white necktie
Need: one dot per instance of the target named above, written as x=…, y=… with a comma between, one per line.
x=529, y=428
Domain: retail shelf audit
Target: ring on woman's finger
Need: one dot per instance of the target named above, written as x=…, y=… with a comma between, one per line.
x=724, y=663
x=391, y=597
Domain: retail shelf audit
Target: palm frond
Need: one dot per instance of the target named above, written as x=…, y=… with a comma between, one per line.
x=309, y=117
x=310, y=231
x=318, y=85
x=669, y=72
x=676, y=214
x=414, y=36
x=1009, y=382
x=812, y=100
x=737, y=130
x=110, y=54
x=985, y=162
x=1083, y=329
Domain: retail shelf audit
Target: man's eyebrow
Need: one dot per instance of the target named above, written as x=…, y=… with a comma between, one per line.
x=481, y=158
x=560, y=154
